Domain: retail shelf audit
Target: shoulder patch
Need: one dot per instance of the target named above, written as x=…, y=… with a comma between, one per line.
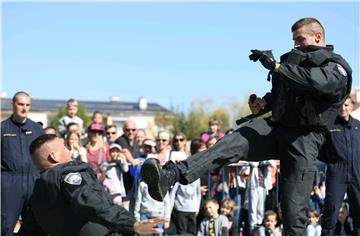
x=341, y=70
x=73, y=178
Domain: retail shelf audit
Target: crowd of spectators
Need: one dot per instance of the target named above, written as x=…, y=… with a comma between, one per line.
x=239, y=199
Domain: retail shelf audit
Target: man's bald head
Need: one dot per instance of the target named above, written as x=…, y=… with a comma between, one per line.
x=129, y=123
x=129, y=130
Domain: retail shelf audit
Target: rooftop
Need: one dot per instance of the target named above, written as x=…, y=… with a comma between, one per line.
x=112, y=107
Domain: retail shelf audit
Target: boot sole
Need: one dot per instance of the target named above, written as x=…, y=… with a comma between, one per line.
x=151, y=174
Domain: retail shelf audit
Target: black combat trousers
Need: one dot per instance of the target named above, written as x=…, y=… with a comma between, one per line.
x=262, y=139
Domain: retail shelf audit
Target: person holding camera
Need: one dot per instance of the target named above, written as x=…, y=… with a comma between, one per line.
x=309, y=85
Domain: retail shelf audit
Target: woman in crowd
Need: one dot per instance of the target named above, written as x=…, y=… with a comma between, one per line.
x=97, y=151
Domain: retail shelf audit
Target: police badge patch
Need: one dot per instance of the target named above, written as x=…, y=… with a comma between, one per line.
x=341, y=70
x=73, y=178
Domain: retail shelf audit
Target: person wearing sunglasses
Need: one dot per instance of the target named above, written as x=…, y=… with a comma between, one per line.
x=128, y=143
x=179, y=142
x=163, y=147
x=179, y=153
x=127, y=140
x=111, y=133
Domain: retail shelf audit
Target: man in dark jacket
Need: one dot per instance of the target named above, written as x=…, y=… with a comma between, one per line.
x=18, y=174
x=309, y=86
x=127, y=141
x=342, y=155
x=69, y=200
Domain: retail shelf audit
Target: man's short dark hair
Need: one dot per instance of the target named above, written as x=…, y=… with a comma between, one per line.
x=19, y=93
x=110, y=126
x=39, y=141
x=306, y=21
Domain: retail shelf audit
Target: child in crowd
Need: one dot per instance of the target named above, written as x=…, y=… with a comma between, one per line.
x=313, y=228
x=316, y=201
x=147, y=208
x=214, y=130
x=71, y=110
x=72, y=127
x=185, y=201
x=214, y=224
x=344, y=225
x=73, y=143
x=97, y=117
x=268, y=228
x=227, y=209
x=111, y=174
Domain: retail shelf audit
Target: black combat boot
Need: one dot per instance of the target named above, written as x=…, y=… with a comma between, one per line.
x=159, y=180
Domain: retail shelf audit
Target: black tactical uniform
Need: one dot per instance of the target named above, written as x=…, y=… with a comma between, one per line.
x=69, y=200
x=305, y=99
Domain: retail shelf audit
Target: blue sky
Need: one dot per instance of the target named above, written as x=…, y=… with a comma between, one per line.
x=169, y=52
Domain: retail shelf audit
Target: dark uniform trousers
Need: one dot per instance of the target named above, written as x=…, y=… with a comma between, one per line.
x=343, y=174
x=15, y=194
x=261, y=140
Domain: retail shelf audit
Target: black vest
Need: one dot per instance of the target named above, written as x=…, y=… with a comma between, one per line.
x=295, y=107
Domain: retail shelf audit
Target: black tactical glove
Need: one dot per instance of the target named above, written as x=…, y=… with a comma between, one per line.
x=266, y=58
x=255, y=55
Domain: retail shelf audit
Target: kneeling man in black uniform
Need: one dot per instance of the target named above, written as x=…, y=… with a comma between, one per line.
x=69, y=200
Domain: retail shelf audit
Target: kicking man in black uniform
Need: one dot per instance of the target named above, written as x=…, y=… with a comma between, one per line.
x=309, y=85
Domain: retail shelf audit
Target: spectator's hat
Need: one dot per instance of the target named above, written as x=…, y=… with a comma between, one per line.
x=115, y=146
x=95, y=127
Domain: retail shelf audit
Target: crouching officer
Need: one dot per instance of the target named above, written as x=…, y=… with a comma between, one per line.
x=69, y=200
